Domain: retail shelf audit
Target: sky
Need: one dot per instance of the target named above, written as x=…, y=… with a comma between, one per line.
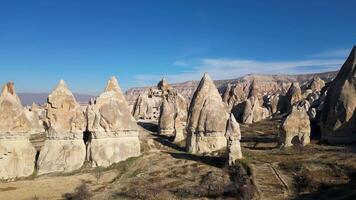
x=85, y=42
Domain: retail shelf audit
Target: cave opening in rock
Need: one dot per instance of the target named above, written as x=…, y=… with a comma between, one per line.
x=87, y=136
x=36, y=159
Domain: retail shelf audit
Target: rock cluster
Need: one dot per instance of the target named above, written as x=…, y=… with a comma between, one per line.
x=102, y=133
x=17, y=154
x=207, y=119
x=250, y=110
x=338, y=117
x=112, y=132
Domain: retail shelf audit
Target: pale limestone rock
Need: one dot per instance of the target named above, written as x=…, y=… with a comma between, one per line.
x=293, y=95
x=253, y=111
x=173, y=114
x=17, y=157
x=114, y=132
x=316, y=84
x=17, y=154
x=61, y=156
x=207, y=119
x=147, y=105
x=233, y=136
x=64, y=149
x=295, y=128
x=338, y=117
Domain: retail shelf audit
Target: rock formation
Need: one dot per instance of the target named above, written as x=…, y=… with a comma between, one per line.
x=295, y=128
x=173, y=114
x=148, y=104
x=233, y=136
x=293, y=95
x=251, y=111
x=207, y=118
x=338, y=117
x=64, y=149
x=17, y=155
x=113, y=132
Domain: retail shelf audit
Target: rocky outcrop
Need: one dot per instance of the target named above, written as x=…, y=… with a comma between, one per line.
x=17, y=155
x=338, y=117
x=251, y=110
x=295, y=128
x=233, y=136
x=64, y=149
x=148, y=104
x=316, y=84
x=112, y=131
x=207, y=118
x=173, y=113
x=293, y=95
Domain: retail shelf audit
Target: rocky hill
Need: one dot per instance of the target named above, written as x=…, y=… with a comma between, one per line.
x=187, y=88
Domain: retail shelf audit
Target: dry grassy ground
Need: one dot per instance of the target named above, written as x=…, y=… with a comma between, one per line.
x=166, y=171
x=312, y=172
x=163, y=171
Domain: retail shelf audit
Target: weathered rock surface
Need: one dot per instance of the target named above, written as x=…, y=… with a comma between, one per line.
x=173, y=113
x=17, y=155
x=113, y=131
x=64, y=149
x=252, y=110
x=207, y=118
x=338, y=117
x=293, y=95
x=148, y=104
x=233, y=135
x=295, y=128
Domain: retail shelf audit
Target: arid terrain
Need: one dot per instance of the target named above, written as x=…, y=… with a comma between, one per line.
x=166, y=171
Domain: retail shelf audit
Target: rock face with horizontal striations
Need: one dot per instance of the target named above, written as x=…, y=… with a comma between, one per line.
x=338, y=117
x=64, y=149
x=207, y=118
x=295, y=128
x=233, y=136
x=113, y=131
x=17, y=155
x=173, y=114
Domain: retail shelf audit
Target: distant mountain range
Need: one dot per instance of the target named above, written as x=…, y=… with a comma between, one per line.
x=41, y=98
x=186, y=88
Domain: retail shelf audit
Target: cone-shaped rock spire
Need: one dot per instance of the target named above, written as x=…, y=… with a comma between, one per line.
x=113, y=129
x=207, y=119
x=338, y=118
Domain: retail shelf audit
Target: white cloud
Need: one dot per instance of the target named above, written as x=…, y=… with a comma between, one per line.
x=222, y=68
x=339, y=53
x=180, y=63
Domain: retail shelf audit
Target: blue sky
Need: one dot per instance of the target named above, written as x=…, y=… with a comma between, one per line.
x=86, y=42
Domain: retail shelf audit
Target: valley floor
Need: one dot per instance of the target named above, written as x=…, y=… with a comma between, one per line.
x=166, y=171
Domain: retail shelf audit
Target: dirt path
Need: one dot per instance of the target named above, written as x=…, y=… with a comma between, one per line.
x=269, y=181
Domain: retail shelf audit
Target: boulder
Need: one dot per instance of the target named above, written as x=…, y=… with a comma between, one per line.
x=113, y=132
x=233, y=136
x=17, y=154
x=207, y=118
x=295, y=128
x=64, y=149
x=338, y=117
